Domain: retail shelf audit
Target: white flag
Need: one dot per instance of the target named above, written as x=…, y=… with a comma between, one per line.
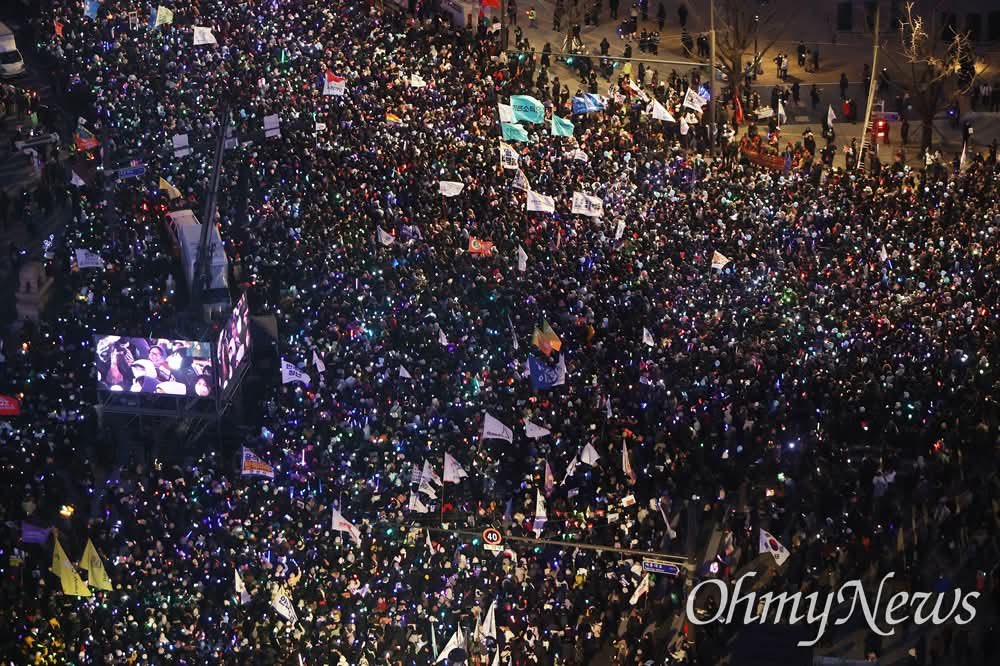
x=508, y=156
x=489, y=627
x=693, y=100
x=660, y=112
x=442, y=338
x=962, y=159
x=334, y=85
x=626, y=463
x=426, y=488
x=571, y=468
x=203, y=35
x=685, y=127
x=450, y=188
x=289, y=374
x=494, y=429
x=540, y=515
x=429, y=474
x=647, y=338
x=549, y=479
x=634, y=87
x=76, y=181
x=830, y=115
x=719, y=260
x=883, y=255
x=521, y=181
x=385, y=238
x=506, y=113
x=318, y=362
x=579, y=155
x=416, y=504
x=585, y=204
x=404, y=373
x=453, y=472
x=768, y=544
x=456, y=641
x=283, y=604
x=416, y=81
x=620, y=230
x=540, y=202
x=241, y=589
x=88, y=259
x=522, y=259
x=340, y=524
x=782, y=118
x=533, y=431
x=641, y=589
x=589, y=455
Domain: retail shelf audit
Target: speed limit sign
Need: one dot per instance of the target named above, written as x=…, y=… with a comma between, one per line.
x=492, y=539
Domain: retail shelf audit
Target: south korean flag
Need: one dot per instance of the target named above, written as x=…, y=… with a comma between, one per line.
x=768, y=544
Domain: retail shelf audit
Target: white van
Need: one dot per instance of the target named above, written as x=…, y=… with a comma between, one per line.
x=11, y=62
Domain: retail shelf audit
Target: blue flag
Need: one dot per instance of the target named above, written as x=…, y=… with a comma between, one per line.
x=561, y=126
x=527, y=108
x=90, y=9
x=33, y=534
x=589, y=103
x=544, y=376
x=514, y=132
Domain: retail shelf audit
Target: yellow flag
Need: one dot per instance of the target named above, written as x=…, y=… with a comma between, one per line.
x=172, y=191
x=546, y=339
x=97, y=577
x=72, y=584
x=59, y=559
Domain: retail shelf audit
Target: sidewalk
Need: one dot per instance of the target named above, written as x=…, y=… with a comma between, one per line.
x=840, y=52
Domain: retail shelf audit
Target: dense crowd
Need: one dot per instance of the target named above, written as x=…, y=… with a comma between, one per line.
x=834, y=382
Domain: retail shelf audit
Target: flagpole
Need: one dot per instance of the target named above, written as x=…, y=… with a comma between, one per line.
x=444, y=487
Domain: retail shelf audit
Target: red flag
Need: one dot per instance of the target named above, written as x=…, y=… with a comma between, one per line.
x=739, y=107
x=477, y=246
x=9, y=406
x=495, y=4
x=59, y=27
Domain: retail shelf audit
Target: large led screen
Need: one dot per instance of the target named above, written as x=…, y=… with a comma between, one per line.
x=153, y=365
x=234, y=344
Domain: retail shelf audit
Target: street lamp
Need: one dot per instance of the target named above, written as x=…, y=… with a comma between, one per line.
x=756, y=51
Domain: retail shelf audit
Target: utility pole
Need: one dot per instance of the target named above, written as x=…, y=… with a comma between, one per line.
x=201, y=267
x=711, y=79
x=871, y=94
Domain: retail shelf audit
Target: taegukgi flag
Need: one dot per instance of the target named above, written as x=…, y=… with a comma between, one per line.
x=768, y=544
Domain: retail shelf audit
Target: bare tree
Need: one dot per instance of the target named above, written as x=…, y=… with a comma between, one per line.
x=739, y=25
x=936, y=68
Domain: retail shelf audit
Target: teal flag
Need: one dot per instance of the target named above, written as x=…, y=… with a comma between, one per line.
x=561, y=126
x=527, y=108
x=514, y=132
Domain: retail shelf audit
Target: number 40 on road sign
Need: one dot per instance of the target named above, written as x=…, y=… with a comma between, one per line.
x=492, y=539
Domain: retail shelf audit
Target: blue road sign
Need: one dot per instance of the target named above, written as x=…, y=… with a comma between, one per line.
x=131, y=172
x=659, y=567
